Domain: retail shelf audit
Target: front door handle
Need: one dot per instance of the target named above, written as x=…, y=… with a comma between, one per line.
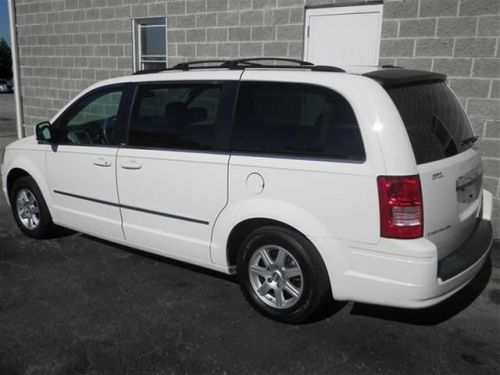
x=131, y=164
x=101, y=162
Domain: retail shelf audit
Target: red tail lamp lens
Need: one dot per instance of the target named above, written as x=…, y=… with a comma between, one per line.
x=401, y=210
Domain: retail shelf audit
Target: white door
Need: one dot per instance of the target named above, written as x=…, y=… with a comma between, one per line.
x=81, y=168
x=172, y=176
x=343, y=35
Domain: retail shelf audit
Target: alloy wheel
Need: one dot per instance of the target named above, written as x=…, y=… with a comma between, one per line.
x=28, y=210
x=276, y=276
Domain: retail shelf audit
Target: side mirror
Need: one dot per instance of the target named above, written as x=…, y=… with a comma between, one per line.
x=44, y=132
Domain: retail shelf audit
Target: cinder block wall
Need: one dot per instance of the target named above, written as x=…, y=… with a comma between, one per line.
x=461, y=39
x=65, y=46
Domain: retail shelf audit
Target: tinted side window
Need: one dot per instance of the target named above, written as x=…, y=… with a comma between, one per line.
x=91, y=121
x=295, y=119
x=181, y=116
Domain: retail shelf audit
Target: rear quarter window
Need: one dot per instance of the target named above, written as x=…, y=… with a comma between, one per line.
x=295, y=119
x=434, y=119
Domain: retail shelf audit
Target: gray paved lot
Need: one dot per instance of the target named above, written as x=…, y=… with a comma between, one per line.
x=77, y=305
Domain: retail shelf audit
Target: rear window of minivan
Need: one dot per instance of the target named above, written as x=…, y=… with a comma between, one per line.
x=434, y=119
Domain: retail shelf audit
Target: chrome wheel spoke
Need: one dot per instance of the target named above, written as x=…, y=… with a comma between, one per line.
x=24, y=196
x=264, y=289
x=260, y=271
x=294, y=292
x=280, y=258
x=35, y=210
x=280, y=298
x=266, y=258
x=289, y=273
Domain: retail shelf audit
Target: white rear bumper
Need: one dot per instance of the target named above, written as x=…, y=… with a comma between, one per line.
x=407, y=273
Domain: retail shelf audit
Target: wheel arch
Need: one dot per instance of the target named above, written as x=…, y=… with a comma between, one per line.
x=246, y=214
x=13, y=175
x=238, y=220
x=243, y=229
x=25, y=166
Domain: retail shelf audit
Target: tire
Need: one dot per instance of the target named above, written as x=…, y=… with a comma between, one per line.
x=282, y=275
x=29, y=209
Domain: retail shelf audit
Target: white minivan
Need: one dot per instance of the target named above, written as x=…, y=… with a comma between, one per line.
x=308, y=182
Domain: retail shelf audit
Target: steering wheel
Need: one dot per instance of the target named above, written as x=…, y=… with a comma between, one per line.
x=107, y=127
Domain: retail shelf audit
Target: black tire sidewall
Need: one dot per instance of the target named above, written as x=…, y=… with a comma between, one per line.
x=45, y=225
x=315, y=283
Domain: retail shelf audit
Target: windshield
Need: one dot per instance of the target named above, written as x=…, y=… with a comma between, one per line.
x=434, y=119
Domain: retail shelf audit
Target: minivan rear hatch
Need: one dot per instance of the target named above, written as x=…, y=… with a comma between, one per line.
x=442, y=139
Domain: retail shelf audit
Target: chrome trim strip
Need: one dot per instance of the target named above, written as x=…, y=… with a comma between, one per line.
x=133, y=208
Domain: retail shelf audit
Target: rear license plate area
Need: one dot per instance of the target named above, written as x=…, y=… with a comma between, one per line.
x=469, y=186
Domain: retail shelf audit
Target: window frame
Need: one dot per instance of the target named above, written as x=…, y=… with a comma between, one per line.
x=223, y=121
x=120, y=117
x=137, y=24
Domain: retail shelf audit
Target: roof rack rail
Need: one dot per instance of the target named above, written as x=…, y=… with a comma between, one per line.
x=189, y=64
x=327, y=68
x=147, y=71
x=256, y=62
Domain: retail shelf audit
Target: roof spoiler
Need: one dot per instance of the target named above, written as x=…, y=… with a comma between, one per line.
x=394, y=77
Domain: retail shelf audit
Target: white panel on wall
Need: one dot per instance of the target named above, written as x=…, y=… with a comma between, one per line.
x=343, y=35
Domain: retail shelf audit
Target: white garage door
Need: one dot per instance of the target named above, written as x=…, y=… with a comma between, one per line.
x=343, y=35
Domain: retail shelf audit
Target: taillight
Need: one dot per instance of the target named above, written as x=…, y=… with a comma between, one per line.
x=401, y=210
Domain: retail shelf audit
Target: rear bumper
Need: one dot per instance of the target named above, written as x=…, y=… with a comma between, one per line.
x=469, y=253
x=407, y=273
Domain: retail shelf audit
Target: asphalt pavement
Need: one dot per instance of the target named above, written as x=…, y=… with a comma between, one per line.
x=78, y=305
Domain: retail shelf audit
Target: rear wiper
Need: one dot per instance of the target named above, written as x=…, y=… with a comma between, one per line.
x=469, y=140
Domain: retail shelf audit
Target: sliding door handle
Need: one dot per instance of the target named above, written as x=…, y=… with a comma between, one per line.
x=131, y=164
x=101, y=162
